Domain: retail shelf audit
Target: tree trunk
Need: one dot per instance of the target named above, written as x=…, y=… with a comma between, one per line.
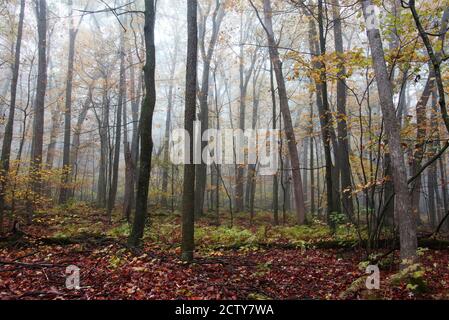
x=407, y=223
x=201, y=170
x=168, y=128
x=103, y=124
x=343, y=137
x=118, y=130
x=285, y=110
x=188, y=198
x=7, y=138
x=39, y=107
x=146, y=124
x=275, y=177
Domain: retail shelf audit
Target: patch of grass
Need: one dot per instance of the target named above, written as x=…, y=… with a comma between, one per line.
x=223, y=236
x=413, y=276
x=120, y=231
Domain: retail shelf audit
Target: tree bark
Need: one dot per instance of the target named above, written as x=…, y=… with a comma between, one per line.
x=168, y=127
x=285, y=110
x=65, y=193
x=188, y=198
x=39, y=106
x=342, y=128
x=201, y=170
x=407, y=223
x=118, y=130
x=7, y=138
x=146, y=124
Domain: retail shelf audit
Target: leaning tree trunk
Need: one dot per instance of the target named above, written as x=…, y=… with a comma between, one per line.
x=407, y=223
x=146, y=124
x=285, y=110
x=76, y=140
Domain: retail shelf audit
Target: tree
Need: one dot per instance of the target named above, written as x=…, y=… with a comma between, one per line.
x=203, y=94
x=118, y=128
x=284, y=107
x=168, y=122
x=188, y=198
x=7, y=139
x=39, y=106
x=245, y=76
x=342, y=128
x=407, y=223
x=65, y=191
x=146, y=124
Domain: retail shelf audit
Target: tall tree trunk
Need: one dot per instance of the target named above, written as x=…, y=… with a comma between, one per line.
x=418, y=154
x=39, y=107
x=65, y=191
x=188, y=198
x=56, y=117
x=201, y=170
x=76, y=140
x=131, y=152
x=285, y=110
x=251, y=179
x=343, y=137
x=244, y=77
x=103, y=124
x=146, y=124
x=168, y=127
x=407, y=223
x=275, y=176
x=327, y=130
x=118, y=130
x=7, y=138
x=331, y=176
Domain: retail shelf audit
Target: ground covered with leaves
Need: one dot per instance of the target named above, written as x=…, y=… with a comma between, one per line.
x=244, y=262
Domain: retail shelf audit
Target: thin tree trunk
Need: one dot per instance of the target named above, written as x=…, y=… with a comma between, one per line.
x=118, y=130
x=201, y=170
x=275, y=177
x=65, y=190
x=146, y=123
x=7, y=138
x=284, y=107
x=76, y=140
x=168, y=128
x=103, y=124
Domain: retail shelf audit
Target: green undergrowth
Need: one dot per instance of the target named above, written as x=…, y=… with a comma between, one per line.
x=164, y=229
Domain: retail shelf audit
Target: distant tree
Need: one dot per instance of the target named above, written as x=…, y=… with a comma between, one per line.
x=267, y=24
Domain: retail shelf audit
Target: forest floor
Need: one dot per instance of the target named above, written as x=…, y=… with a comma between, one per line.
x=243, y=262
